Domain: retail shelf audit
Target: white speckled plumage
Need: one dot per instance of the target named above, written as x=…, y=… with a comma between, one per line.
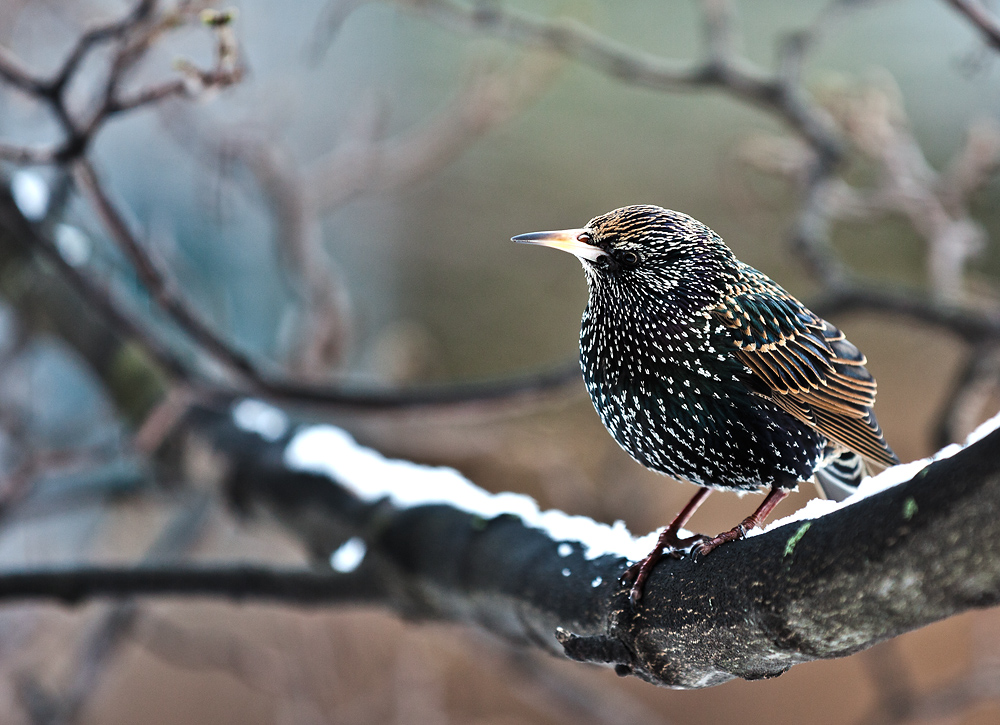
x=704, y=369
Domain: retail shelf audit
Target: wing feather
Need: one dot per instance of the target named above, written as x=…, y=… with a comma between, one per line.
x=807, y=366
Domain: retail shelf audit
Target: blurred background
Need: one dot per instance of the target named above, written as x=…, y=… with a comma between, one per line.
x=342, y=213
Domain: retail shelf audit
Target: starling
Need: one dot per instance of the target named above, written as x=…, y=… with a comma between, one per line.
x=704, y=369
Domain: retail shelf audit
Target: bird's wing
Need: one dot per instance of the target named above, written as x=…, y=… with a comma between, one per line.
x=805, y=364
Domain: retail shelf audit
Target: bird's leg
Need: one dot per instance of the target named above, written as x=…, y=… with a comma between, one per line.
x=669, y=539
x=776, y=496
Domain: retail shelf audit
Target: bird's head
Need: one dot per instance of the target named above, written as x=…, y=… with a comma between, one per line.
x=648, y=248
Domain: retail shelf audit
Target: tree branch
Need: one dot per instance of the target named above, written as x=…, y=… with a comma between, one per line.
x=810, y=589
x=814, y=589
x=73, y=585
x=980, y=17
x=721, y=67
x=973, y=326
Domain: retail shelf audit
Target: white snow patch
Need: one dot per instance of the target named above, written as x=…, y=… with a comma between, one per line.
x=349, y=555
x=31, y=193
x=369, y=475
x=886, y=479
x=256, y=416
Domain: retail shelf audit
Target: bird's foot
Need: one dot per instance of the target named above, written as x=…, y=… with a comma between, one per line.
x=708, y=545
x=751, y=522
x=669, y=544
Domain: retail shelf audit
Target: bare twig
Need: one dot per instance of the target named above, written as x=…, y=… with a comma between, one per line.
x=99, y=648
x=134, y=34
x=365, y=164
x=985, y=22
x=721, y=68
x=75, y=584
x=96, y=295
x=970, y=392
x=163, y=419
x=28, y=155
x=161, y=290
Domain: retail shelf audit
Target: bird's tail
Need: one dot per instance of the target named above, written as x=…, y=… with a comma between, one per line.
x=839, y=477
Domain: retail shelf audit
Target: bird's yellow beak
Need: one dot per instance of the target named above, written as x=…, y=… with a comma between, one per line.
x=566, y=239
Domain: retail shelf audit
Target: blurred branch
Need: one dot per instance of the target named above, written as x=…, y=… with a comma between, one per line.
x=100, y=328
x=90, y=335
x=814, y=590
x=75, y=584
x=893, y=688
x=970, y=392
x=325, y=333
x=112, y=627
x=873, y=119
x=973, y=326
x=160, y=289
x=475, y=110
x=981, y=18
x=362, y=162
x=721, y=68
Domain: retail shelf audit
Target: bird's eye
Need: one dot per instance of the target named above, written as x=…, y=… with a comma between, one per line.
x=629, y=258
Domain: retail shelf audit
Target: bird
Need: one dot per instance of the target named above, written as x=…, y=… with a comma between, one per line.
x=705, y=369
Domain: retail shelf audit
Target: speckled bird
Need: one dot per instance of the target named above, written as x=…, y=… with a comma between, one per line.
x=704, y=369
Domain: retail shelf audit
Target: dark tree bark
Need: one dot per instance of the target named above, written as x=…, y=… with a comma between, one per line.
x=915, y=553
x=823, y=588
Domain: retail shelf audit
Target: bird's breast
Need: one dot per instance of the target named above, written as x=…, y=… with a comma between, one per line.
x=675, y=400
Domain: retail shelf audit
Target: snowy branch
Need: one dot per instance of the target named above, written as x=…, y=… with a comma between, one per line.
x=827, y=582
x=916, y=544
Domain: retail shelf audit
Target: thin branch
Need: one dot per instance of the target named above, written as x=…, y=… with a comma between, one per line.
x=362, y=163
x=96, y=295
x=972, y=326
x=28, y=155
x=159, y=288
x=14, y=73
x=514, y=390
x=75, y=585
x=140, y=13
x=721, y=69
x=820, y=588
x=985, y=22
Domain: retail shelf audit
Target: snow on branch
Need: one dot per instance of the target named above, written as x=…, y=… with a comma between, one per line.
x=917, y=543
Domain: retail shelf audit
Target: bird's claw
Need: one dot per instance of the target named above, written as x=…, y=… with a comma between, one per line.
x=677, y=548
x=708, y=545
